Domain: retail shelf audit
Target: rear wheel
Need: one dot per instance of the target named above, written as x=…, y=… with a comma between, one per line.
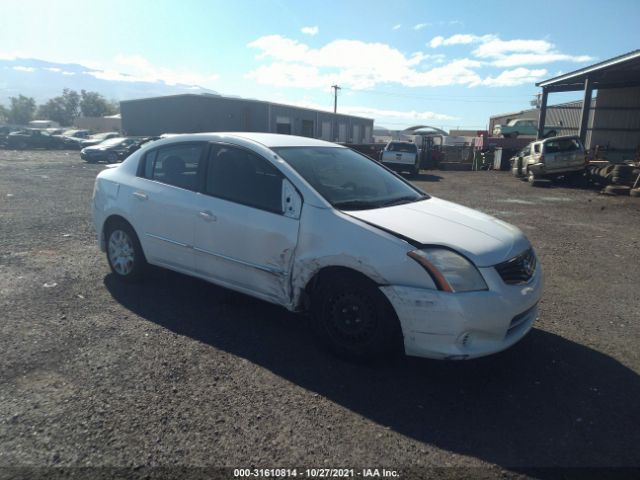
x=112, y=157
x=532, y=179
x=124, y=252
x=354, y=319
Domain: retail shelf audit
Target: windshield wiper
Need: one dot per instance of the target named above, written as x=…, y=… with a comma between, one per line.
x=354, y=205
x=402, y=200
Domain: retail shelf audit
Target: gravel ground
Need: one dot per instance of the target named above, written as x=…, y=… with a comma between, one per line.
x=178, y=372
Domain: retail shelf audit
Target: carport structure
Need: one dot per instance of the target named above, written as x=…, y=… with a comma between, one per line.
x=618, y=72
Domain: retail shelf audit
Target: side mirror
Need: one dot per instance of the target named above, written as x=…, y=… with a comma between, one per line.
x=291, y=200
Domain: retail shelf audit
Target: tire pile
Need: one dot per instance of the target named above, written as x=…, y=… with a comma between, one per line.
x=616, y=179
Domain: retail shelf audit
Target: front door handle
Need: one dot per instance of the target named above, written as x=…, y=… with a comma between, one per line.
x=140, y=195
x=207, y=216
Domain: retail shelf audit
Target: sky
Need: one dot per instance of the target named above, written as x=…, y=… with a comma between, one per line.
x=447, y=64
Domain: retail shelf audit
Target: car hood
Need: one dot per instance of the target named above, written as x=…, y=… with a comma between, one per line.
x=482, y=238
x=98, y=148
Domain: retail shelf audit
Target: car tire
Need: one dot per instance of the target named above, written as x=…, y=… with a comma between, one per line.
x=634, y=192
x=617, y=190
x=112, y=157
x=353, y=318
x=415, y=173
x=124, y=253
x=532, y=179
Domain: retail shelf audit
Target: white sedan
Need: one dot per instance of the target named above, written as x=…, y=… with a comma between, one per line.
x=317, y=227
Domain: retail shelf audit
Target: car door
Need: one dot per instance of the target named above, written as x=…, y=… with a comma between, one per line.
x=245, y=237
x=164, y=203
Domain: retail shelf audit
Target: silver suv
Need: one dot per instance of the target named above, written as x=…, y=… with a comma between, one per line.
x=550, y=158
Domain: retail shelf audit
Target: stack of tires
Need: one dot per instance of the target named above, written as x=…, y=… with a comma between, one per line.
x=616, y=179
x=621, y=174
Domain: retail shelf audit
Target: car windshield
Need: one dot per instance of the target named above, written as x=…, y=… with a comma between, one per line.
x=348, y=180
x=100, y=136
x=402, y=147
x=562, y=145
x=112, y=141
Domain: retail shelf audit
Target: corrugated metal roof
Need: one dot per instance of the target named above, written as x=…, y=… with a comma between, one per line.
x=623, y=68
x=215, y=96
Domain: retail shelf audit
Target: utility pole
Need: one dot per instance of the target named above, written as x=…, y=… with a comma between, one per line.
x=335, y=98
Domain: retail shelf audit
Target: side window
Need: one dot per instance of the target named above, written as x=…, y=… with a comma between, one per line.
x=175, y=165
x=536, y=148
x=240, y=176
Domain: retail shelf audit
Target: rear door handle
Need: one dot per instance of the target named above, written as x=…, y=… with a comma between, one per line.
x=207, y=216
x=140, y=195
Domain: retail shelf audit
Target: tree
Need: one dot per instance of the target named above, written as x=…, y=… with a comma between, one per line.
x=4, y=114
x=92, y=104
x=21, y=109
x=63, y=109
x=53, y=110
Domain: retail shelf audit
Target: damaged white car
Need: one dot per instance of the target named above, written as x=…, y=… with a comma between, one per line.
x=317, y=227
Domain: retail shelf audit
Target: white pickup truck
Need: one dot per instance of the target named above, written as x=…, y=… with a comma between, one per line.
x=401, y=157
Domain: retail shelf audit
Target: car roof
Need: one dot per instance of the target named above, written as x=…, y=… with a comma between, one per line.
x=269, y=140
x=561, y=137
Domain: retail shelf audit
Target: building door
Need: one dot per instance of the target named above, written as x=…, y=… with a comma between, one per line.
x=342, y=132
x=356, y=134
x=307, y=128
x=326, y=131
x=283, y=125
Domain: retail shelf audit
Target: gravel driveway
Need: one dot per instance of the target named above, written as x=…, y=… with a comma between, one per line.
x=178, y=372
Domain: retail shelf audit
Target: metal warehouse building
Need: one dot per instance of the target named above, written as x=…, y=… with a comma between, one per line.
x=611, y=120
x=191, y=113
x=565, y=116
x=614, y=119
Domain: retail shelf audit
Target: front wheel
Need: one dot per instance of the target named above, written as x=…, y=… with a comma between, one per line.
x=354, y=319
x=124, y=252
x=112, y=157
x=532, y=178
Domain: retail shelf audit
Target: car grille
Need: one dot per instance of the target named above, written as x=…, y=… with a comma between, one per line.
x=518, y=270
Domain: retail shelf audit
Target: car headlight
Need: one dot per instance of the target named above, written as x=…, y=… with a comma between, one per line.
x=450, y=270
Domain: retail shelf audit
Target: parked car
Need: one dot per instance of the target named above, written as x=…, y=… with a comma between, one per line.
x=76, y=133
x=111, y=150
x=98, y=138
x=32, y=138
x=315, y=226
x=523, y=127
x=73, y=139
x=550, y=158
x=401, y=157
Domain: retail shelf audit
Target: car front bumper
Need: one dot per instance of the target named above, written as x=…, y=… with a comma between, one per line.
x=465, y=325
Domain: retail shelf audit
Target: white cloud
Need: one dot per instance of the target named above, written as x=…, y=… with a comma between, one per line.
x=376, y=113
x=509, y=53
x=21, y=68
x=53, y=69
x=397, y=27
x=420, y=26
x=310, y=30
x=352, y=63
x=139, y=69
x=395, y=114
x=538, y=59
x=362, y=65
x=517, y=76
x=459, y=39
x=495, y=47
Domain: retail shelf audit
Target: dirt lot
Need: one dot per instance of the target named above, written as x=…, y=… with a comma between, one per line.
x=180, y=372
